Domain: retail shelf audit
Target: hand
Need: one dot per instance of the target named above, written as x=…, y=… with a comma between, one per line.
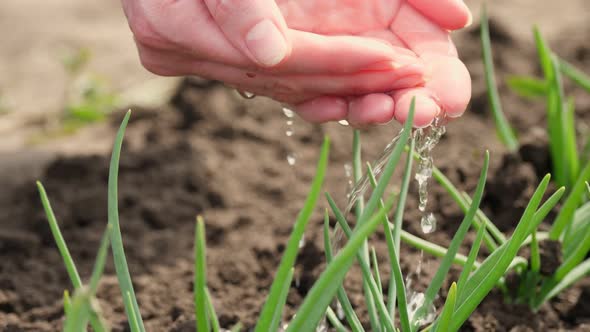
x=247, y=44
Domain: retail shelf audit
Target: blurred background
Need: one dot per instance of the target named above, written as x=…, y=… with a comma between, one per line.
x=194, y=146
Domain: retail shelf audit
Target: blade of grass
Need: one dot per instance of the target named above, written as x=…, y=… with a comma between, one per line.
x=335, y=321
x=401, y=203
x=535, y=253
x=376, y=272
x=505, y=131
x=212, y=314
x=96, y=321
x=290, y=254
x=572, y=277
x=278, y=315
x=359, y=206
x=390, y=167
x=493, y=268
x=121, y=266
x=575, y=74
x=397, y=226
x=100, y=261
x=447, y=261
x=458, y=197
x=397, y=290
x=447, y=313
x=384, y=318
x=321, y=294
x=527, y=86
x=133, y=322
x=349, y=314
x=555, y=111
x=200, y=282
x=59, y=240
x=67, y=302
x=473, y=252
x=79, y=311
x=567, y=211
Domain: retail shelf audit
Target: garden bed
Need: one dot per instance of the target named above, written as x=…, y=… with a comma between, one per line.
x=212, y=153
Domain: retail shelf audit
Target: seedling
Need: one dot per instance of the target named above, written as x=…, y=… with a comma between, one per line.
x=571, y=169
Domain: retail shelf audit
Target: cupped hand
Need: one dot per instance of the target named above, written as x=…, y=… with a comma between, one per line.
x=333, y=60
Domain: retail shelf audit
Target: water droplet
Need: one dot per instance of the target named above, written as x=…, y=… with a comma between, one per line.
x=288, y=112
x=291, y=159
x=415, y=302
x=343, y=123
x=322, y=326
x=428, y=223
x=246, y=94
x=348, y=173
x=302, y=242
x=340, y=311
x=289, y=132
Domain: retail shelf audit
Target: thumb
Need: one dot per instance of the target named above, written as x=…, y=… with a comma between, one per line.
x=255, y=27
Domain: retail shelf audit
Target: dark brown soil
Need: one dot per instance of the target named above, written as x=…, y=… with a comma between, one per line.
x=212, y=153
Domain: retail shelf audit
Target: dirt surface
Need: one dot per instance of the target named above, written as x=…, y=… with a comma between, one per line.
x=211, y=152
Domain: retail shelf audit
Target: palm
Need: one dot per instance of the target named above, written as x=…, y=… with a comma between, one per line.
x=336, y=16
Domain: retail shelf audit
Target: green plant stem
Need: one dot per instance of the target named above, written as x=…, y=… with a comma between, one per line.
x=505, y=131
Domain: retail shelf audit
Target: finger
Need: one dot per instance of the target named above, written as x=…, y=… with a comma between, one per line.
x=426, y=109
x=187, y=27
x=420, y=34
x=377, y=108
x=314, y=53
x=450, y=82
x=448, y=14
x=255, y=27
x=282, y=87
x=323, y=109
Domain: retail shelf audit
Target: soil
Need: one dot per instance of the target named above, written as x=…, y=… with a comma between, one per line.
x=210, y=152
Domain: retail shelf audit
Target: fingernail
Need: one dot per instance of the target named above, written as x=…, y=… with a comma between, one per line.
x=266, y=43
x=382, y=66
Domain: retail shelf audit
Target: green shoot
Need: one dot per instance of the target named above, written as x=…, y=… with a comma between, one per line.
x=494, y=267
x=272, y=302
x=528, y=86
x=566, y=214
x=276, y=319
x=59, y=240
x=575, y=74
x=121, y=266
x=95, y=320
x=447, y=261
x=359, y=206
x=200, y=282
x=321, y=294
x=447, y=314
x=505, y=131
x=349, y=314
x=468, y=267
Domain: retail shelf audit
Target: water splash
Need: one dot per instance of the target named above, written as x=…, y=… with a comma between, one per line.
x=340, y=311
x=291, y=159
x=416, y=301
x=348, y=173
x=361, y=186
x=302, y=242
x=426, y=140
x=246, y=94
x=428, y=223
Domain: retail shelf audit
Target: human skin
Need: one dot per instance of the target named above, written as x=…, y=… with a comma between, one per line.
x=359, y=60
